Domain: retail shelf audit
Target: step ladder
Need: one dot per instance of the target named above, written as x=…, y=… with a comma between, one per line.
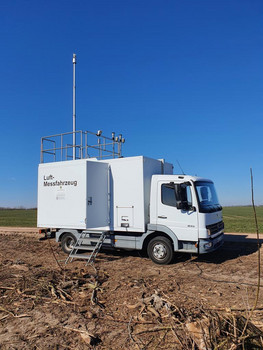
x=89, y=243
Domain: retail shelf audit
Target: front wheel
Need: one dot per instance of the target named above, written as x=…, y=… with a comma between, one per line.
x=67, y=242
x=160, y=250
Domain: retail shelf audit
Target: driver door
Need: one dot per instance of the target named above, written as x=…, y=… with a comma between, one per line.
x=184, y=223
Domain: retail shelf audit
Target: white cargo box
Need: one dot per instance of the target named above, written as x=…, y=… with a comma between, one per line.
x=97, y=195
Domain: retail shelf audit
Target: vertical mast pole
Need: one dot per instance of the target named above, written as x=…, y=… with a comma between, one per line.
x=74, y=105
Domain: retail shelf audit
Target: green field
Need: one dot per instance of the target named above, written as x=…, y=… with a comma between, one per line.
x=18, y=217
x=237, y=219
x=241, y=219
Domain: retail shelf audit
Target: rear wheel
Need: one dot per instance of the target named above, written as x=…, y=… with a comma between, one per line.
x=160, y=250
x=67, y=242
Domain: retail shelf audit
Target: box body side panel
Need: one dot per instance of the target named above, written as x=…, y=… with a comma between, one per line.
x=168, y=168
x=151, y=166
x=127, y=196
x=62, y=189
x=130, y=191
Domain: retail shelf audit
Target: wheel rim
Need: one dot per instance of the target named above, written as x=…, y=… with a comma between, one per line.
x=70, y=243
x=159, y=251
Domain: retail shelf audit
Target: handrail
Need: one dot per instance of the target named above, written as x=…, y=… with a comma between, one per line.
x=105, y=147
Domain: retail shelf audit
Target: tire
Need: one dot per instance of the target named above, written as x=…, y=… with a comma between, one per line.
x=67, y=242
x=160, y=250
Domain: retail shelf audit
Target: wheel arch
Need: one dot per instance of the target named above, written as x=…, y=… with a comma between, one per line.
x=153, y=235
x=160, y=230
x=60, y=233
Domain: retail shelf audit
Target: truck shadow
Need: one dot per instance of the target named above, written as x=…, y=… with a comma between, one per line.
x=230, y=250
x=112, y=255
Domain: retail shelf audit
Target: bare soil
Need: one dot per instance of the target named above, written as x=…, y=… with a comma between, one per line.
x=124, y=301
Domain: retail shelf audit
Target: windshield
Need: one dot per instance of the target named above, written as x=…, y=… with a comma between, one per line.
x=207, y=197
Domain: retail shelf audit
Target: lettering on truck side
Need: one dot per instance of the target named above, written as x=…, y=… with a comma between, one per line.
x=58, y=182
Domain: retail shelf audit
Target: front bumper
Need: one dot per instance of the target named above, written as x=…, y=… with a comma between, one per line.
x=210, y=244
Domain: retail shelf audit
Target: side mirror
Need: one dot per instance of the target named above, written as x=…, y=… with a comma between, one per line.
x=183, y=205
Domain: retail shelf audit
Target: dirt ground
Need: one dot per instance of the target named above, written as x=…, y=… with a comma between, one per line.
x=124, y=301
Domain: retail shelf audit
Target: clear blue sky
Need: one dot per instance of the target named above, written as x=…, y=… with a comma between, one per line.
x=182, y=80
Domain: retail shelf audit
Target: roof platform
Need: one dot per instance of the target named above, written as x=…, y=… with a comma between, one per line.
x=80, y=145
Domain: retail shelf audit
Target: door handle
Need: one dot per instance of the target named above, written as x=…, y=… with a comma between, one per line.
x=162, y=217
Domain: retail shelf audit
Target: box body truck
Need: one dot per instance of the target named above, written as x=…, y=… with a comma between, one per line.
x=138, y=201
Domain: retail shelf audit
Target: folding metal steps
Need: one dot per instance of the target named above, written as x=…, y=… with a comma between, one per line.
x=89, y=243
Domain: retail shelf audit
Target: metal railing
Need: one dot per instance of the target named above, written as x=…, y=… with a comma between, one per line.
x=59, y=147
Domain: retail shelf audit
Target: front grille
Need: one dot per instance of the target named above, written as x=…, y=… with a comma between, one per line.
x=214, y=228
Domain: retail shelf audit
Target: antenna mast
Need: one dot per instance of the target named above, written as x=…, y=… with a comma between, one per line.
x=74, y=105
x=180, y=166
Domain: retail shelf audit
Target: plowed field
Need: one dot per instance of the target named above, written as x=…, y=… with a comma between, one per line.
x=124, y=301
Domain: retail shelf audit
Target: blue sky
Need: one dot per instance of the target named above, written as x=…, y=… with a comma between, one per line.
x=181, y=80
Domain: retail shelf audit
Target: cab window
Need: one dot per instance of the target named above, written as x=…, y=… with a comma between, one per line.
x=168, y=195
x=172, y=193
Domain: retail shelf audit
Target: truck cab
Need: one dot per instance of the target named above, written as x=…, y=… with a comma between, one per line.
x=186, y=208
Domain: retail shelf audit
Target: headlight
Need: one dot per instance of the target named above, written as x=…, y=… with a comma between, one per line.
x=208, y=245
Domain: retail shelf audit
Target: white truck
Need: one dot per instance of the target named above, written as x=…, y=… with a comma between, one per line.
x=137, y=201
